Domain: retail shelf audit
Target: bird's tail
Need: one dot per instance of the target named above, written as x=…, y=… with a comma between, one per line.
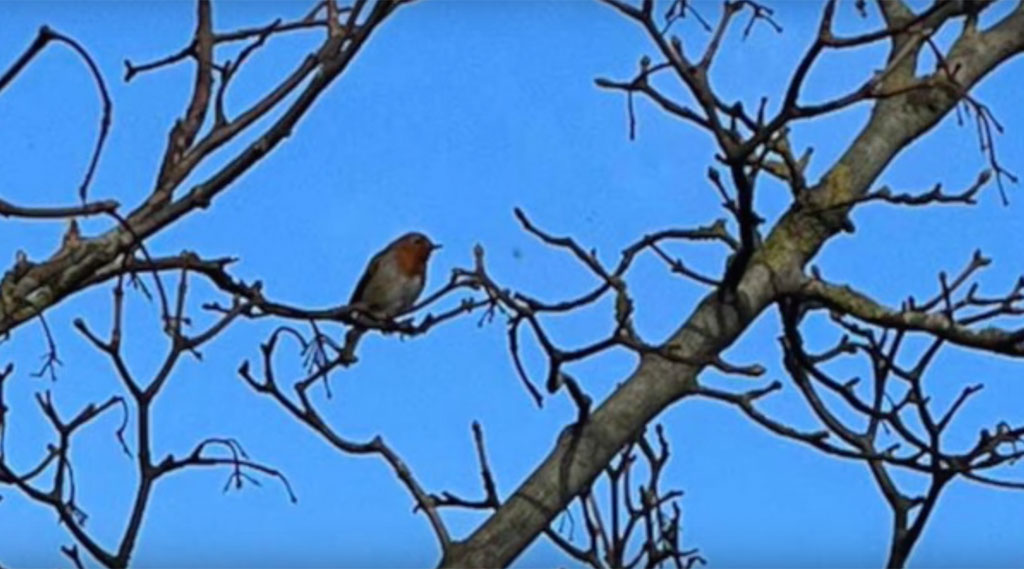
x=348, y=351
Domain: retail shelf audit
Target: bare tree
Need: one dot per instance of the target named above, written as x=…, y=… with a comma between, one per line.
x=120, y=253
x=768, y=272
x=898, y=428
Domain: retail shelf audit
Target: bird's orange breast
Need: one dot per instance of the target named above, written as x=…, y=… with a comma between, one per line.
x=410, y=260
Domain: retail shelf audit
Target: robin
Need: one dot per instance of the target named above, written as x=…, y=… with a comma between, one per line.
x=391, y=283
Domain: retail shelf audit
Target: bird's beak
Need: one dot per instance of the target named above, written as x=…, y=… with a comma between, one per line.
x=435, y=246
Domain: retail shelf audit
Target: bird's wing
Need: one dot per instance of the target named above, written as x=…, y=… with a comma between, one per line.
x=364, y=282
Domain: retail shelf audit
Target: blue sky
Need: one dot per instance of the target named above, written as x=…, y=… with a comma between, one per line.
x=455, y=113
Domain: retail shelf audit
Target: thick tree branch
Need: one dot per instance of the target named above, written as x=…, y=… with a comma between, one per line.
x=848, y=301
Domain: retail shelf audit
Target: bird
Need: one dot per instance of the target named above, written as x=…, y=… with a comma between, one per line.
x=391, y=283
